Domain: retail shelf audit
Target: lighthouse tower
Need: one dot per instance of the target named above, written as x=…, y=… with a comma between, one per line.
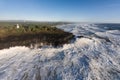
x=17, y=26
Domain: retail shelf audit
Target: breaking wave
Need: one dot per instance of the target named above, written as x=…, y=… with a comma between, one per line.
x=94, y=56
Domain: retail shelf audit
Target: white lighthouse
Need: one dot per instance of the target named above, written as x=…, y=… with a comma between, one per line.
x=17, y=26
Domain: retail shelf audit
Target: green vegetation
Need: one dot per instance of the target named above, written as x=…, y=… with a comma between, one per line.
x=28, y=29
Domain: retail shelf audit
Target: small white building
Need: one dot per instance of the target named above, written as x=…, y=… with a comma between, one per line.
x=17, y=26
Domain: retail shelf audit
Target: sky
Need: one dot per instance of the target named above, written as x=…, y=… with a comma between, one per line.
x=61, y=10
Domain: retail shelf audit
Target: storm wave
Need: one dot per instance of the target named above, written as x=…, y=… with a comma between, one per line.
x=94, y=55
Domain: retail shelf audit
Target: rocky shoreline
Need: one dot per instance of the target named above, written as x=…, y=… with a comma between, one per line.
x=43, y=38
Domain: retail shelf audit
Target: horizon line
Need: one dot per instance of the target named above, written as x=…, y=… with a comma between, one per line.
x=53, y=21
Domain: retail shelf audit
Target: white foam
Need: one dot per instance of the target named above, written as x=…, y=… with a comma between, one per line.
x=85, y=59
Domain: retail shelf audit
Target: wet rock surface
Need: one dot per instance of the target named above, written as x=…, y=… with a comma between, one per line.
x=39, y=39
